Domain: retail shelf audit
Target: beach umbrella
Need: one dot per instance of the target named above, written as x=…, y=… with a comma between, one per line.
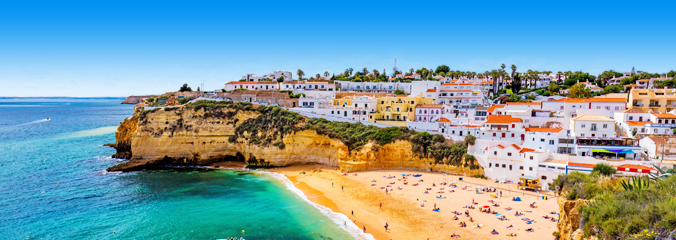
x=403, y=175
x=487, y=206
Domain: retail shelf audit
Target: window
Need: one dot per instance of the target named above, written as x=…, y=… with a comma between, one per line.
x=490, y=164
x=495, y=153
x=631, y=118
x=581, y=134
x=551, y=142
x=617, y=108
x=542, y=140
x=520, y=167
x=531, y=157
x=561, y=107
x=605, y=125
x=604, y=135
x=512, y=134
x=544, y=177
x=504, y=165
x=583, y=126
x=509, y=154
x=494, y=134
x=510, y=167
x=607, y=107
x=598, y=107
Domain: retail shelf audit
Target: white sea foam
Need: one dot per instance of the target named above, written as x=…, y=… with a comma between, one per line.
x=337, y=218
x=28, y=123
x=89, y=133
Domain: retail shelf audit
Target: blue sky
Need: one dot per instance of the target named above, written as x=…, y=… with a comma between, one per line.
x=120, y=48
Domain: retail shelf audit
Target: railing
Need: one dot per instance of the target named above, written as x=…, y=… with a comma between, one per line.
x=385, y=119
x=661, y=125
x=654, y=105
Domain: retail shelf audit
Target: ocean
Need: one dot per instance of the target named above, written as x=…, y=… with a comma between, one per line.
x=53, y=185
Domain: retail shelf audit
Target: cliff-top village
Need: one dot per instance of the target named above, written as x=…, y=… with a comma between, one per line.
x=557, y=123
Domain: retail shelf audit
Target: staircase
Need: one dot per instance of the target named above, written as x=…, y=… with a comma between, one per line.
x=619, y=132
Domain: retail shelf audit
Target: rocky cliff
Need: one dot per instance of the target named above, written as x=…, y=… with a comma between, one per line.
x=569, y=219
x=134, y=99
x=184, y=136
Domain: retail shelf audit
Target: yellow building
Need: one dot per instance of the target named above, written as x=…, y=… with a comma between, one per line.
x=659, y=100
x=397, y=110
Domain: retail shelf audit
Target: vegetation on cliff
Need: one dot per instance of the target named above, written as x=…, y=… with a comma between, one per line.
x=273, y=123
x=617, y=211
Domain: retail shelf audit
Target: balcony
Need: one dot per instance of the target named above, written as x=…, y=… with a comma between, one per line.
x=654, y=105
x=661, y=125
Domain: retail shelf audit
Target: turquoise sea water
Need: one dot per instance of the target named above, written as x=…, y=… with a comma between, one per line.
x=53, y=185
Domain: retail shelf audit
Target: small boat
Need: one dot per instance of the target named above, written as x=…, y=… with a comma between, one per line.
x=417, y=175
x=48, y=119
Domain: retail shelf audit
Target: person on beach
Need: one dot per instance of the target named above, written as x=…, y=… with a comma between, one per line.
x=364, y=228
x=352, y=213
x=331, y=184
x=500, y=193
x=386, y=225
x=342, y=188
x=381, y=205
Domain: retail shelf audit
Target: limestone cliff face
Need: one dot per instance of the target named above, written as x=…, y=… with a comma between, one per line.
x=569, y=218
x=134, y=99
x=183, y=136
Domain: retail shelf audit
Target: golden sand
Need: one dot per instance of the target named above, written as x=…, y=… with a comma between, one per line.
x=402, y=209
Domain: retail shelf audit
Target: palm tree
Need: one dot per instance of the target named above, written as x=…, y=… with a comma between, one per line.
x=411, y=71
x=513, y=70
x=558, y=75
x=376, y=73
x=503, y=67
x=326, y=73
x=350, y=71
x=300, y=74
x=366, y=71
x=318, y=75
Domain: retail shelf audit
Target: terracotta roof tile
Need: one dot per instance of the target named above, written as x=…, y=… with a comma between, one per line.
x=501, y=119
x=553, y=130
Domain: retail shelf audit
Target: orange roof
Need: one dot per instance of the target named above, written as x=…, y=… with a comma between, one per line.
x=631, y=85
x=636, y=167
x=553, y=130
x=408, y=77
x=527, y=150
x=581, y=164
x=516, y=146
x=494, y=106
x=501, y=119
x=664, y=115
x=637, y=123
x=444, y=120
x=644, y=80
x=523, y=103
x=577, y=100
x=624, y=100
x=431, y=90
x=500, y=146
x=468, y=126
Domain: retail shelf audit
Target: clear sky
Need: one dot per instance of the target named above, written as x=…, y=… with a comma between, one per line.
x=120, y=48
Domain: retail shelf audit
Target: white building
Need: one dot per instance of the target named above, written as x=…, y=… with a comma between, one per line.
x=504, y=128
x=263, y=85
x=252, y=77
x=307, y=85
x=569, y=107
x=374, y=87
x=461, y=95
x=343, y=106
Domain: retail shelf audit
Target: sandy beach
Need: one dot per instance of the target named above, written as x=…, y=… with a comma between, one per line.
x=408, y=210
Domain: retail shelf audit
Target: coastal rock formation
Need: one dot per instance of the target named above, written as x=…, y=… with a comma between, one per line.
x=134, y=99
x=569, y=218
x=182, y=136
